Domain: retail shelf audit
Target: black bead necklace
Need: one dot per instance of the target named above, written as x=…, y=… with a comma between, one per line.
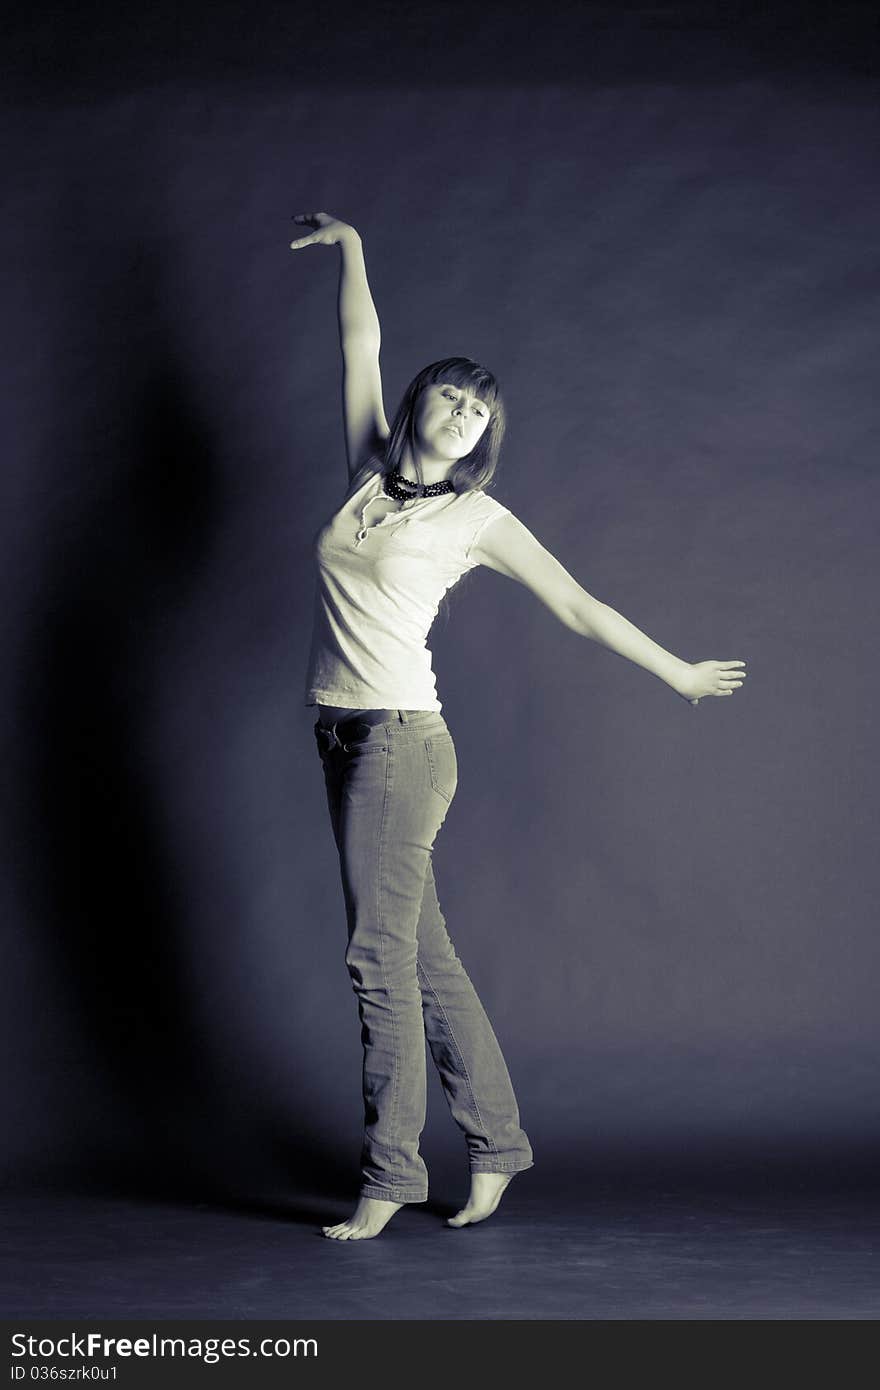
x=404, y=489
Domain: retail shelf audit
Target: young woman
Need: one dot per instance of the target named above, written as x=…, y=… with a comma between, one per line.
x=416, y=518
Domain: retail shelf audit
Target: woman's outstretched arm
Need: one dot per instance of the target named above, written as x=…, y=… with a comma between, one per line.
x=359, y=337
x=510, y=548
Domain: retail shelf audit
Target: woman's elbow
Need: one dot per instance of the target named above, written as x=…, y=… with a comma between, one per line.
x=581, y=614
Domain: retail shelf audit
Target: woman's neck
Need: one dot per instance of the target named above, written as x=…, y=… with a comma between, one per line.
x=420, y=468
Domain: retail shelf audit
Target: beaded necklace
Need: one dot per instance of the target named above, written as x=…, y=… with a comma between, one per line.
x=404, y=489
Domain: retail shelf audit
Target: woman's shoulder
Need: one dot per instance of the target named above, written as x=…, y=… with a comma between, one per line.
x=368, y=473
x=481, y=504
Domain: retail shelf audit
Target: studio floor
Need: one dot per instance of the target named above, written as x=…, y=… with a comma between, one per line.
x=565, y=1254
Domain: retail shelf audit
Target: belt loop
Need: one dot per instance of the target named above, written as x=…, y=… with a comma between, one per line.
x=403, y=716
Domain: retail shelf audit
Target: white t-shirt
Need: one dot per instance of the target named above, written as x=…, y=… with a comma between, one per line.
x=379, y=585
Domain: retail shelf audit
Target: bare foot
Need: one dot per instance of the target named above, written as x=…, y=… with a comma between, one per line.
x=485, y=1194
x=371, y=1215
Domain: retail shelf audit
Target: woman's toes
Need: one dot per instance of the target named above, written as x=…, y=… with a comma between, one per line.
x=486, y=1193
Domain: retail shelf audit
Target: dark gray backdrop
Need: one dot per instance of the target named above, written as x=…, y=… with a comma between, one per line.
x=659, y=226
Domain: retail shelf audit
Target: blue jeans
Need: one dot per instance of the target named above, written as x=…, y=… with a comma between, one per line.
x=389, y=787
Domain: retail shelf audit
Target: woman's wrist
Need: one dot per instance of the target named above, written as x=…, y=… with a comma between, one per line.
x=611, y=629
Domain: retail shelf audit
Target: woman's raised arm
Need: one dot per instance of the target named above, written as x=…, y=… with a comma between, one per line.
x=366, y=427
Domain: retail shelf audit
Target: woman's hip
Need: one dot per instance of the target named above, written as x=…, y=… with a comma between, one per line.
x=396, y=777
x=386, y=730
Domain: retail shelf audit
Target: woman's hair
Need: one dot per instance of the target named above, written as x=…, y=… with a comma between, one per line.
x=477, y=468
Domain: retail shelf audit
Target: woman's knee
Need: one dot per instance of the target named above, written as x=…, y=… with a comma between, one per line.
x=374, y=962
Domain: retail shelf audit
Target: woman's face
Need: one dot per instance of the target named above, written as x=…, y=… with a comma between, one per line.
x=449, y=420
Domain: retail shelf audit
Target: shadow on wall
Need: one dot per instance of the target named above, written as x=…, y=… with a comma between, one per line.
x=153, y=1105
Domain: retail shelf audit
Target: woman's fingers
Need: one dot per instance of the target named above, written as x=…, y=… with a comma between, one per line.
x=729, y=683
x=326, y=229
x=304, y=219
x=718, y=678
x=732, y=674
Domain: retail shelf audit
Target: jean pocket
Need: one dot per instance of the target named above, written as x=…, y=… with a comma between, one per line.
x=442, y=765
x=360, y=740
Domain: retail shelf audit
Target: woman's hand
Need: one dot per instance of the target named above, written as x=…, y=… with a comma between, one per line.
x=327, y=230
x=710, y=678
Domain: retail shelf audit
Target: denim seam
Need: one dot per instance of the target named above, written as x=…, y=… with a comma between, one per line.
x=464, y=1070
x=379, y=926
x=501, y=1166
x=432, y=769
x=371, y=1189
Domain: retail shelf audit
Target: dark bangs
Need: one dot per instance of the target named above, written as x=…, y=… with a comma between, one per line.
x=462, y=371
